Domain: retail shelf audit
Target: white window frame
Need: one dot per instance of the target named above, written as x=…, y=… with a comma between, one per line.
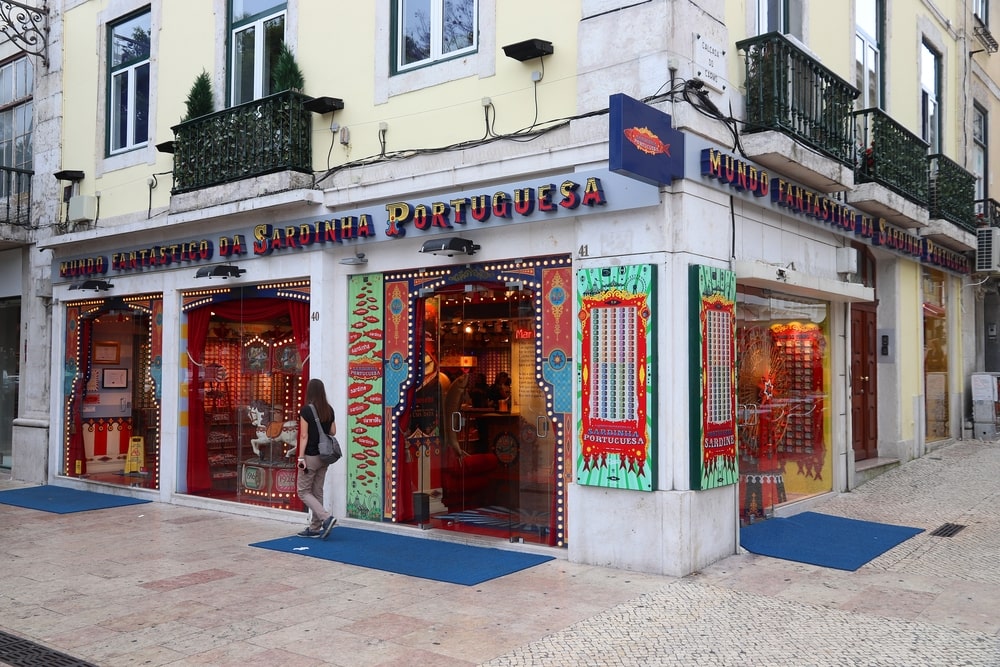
x=129, y=72
x=764, y=9
x=260, y=84
x=980, y=128
x=867, y=46
x=980, y=9
x=930, y=97
x=436, y=25
x=17, y=99
x=388, y=83
x=788, y=17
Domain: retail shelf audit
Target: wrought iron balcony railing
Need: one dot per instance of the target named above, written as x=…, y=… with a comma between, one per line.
x=789, y=91
x=952, y=192
x=15, y=196
x=891, y=155
x=260, y=137
x=987, y=212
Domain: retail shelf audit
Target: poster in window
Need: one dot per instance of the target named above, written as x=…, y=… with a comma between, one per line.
x=107, y=352
x=617, y=398
x=712, y=370
x=115, y=378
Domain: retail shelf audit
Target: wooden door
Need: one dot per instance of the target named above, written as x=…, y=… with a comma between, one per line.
x=864, y=394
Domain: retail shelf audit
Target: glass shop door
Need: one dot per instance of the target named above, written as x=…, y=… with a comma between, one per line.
x=490, y=470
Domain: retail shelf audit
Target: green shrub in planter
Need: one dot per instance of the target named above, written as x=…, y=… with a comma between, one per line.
x=199, y=100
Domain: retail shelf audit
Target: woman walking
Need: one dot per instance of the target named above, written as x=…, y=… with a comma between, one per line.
x=312, y=470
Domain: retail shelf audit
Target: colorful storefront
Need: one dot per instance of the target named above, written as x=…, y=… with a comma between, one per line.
x=564, y=360
x=453, y=379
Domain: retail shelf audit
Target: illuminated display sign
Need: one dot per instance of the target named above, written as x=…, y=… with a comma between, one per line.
x=572, y=195
x=743, y=176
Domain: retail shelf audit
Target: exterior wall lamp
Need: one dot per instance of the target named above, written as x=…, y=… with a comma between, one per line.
x=528, y=49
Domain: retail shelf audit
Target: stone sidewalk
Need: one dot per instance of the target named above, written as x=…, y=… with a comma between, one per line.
x=166, y=585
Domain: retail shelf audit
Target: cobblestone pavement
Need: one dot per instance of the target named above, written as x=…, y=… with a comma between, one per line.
x=929, y=601
x=168, y=585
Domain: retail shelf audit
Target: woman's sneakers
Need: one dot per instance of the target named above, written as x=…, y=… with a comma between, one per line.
x=309, y=532
x=328, y=525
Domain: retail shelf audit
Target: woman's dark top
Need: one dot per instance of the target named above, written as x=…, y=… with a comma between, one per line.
x=312, y=440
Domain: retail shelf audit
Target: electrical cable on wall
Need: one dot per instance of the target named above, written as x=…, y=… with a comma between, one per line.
x=688, y=90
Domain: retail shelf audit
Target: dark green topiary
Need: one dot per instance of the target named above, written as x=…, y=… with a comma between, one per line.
x=199, y=100
x=285, y=72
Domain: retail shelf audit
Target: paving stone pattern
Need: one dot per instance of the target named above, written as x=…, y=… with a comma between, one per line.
x=169, y=585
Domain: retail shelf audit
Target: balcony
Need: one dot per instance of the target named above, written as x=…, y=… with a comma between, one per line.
x=952, y=193
x=790, y=92
x=891, y=172
x=15, y=204
x=891, y=155
x=268, y=135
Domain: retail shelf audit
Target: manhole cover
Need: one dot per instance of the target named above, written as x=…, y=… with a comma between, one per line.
x=19, y=652
x=947, y=530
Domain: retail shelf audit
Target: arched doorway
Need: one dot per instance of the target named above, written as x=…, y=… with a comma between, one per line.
x=478, y=394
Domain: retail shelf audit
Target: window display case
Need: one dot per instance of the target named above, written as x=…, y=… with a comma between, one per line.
x=251, y=390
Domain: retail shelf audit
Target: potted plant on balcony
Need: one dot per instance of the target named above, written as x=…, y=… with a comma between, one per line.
x=287, y=76
x=285, y=73
x=200, y=99
x=199, y=102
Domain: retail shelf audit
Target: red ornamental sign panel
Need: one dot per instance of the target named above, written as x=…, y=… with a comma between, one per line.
x=713, y=377
x=615, y=308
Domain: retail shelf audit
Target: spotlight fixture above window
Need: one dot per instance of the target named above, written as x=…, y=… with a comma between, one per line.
x=223, y=271
x=528, y=49
x=452, y=245
x=322, y=105
x=72, y=175
x=94, y=284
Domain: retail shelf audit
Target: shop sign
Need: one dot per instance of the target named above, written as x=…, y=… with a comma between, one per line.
x=743, y=176
x=616, y=403
x=712, y=340
x=642, y=142
x=573, y=195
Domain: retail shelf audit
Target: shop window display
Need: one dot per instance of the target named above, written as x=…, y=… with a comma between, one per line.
x=783, y=399
x=935, y=357
x=112, y=385
x=248, y=362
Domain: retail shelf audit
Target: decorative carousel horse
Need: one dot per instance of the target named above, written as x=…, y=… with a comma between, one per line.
x=272, y=432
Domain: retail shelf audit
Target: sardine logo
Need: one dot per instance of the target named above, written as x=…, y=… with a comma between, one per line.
x=644, y=139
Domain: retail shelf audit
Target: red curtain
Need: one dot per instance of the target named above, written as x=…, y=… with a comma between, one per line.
x=246, y=310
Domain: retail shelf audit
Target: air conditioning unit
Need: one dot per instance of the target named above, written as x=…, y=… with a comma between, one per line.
x=82, y=208
x=988, y=250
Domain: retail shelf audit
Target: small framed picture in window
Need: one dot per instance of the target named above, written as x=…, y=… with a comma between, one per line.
x=106, y=352
x=257, y=358
x=115, y=378
x=286, y=358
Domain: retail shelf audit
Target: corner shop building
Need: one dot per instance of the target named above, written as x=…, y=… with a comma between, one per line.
x=679, y=355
